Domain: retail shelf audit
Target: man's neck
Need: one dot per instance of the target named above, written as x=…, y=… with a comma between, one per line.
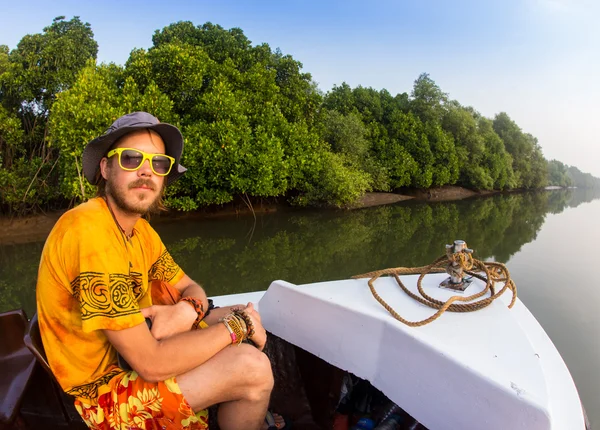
x=125, y=220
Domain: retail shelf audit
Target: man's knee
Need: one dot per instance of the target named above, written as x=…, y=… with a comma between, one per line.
x=235, y=373
x=256, y=366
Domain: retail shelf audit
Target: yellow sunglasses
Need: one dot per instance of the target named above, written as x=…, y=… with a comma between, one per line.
x=132, y=159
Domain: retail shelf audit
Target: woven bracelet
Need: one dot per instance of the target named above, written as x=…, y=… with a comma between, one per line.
x=198, y=307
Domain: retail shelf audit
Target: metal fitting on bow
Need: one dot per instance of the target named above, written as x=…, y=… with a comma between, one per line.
x=459, y=260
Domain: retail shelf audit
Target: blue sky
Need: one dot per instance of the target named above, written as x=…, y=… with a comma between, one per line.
x=537, y=60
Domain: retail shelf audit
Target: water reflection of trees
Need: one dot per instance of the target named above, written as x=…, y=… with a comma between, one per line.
x=18, y=273
x=229, y=256
x=322, y=246
x=582, y=195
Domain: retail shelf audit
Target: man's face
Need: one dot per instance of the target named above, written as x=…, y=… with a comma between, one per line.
x=136, y=192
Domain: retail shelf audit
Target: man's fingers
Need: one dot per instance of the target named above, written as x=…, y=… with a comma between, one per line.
x=148, y=312
x=250, y=309
x=157, y=334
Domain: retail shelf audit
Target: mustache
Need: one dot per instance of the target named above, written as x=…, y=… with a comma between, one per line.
x=142, y=183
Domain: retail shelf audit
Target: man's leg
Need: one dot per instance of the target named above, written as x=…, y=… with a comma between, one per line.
x=239, y=378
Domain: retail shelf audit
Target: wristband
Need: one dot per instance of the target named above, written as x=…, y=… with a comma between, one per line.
x=236, y=326
x=198, y=307
x=231, y=333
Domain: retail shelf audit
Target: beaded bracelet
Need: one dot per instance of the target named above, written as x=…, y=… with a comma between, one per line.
x=244, y=315
x=198, y=307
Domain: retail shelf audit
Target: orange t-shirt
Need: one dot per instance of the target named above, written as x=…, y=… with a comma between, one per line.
x=92, y=278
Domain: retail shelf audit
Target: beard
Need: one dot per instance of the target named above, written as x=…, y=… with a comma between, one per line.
x=140, y=204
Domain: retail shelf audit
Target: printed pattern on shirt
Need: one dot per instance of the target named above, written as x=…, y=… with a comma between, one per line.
x=164, y=269
x=96, y=298
x=136, y=283
x=90, y=391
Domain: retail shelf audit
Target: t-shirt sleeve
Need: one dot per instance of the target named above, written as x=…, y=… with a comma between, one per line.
x=102, y=282
x=163, y=267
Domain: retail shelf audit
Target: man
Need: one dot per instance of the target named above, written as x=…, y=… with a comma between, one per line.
x=94, y=291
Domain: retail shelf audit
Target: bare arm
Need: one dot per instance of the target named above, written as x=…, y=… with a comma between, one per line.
x=157, y=360
x=188, y=288
x=218, y=313
x=168, y=320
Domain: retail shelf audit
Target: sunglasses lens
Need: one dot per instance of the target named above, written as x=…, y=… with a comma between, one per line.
x=161, y=164
x=131, y=159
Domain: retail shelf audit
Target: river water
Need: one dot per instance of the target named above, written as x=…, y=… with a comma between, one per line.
x=549, y=241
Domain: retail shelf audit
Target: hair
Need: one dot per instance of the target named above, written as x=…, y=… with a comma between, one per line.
x=157, y=207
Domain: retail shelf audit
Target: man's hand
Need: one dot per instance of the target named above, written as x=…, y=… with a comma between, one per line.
x=217, y=313
x=260, y=334
x=169, y=320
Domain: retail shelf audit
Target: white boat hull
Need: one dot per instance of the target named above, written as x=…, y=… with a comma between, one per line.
x=492, y=369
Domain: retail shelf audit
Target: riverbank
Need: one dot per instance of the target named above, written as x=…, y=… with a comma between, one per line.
x=14, y=230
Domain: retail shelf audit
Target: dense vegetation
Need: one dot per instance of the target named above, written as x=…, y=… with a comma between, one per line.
x=255, y=125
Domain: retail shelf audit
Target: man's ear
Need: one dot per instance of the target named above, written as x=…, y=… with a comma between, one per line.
x=104, y=168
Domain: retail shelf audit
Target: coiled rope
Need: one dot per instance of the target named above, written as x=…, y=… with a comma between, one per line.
x=490, y=272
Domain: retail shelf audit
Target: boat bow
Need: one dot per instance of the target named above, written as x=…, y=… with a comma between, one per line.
x=491, y=369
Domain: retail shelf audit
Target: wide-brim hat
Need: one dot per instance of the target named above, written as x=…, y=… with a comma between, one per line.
x=97, y=148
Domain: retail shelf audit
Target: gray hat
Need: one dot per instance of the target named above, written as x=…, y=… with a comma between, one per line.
x=97, y=148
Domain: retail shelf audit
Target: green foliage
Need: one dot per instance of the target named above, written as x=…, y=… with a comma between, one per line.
x=26, y=182
x=445, y=160
x=42, y=66
x=333, y=183
x=78, y=116
x=341, y=99
x=220, y=44
x=346, y=135
x=408, y=144
x=427, y=99
x=483, y=162
x=299, y=97
x=47, y=63
x=497, y=162
x=582, y=180
x=11, y=136
x=558, y=175
x=529, y=165
x=180, y=71
x=255, y=124
x=248, y=113
x=86, y=110
x=27, y=186
x=31, y=78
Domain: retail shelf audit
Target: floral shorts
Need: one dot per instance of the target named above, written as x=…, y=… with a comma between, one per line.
x=127, y=402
